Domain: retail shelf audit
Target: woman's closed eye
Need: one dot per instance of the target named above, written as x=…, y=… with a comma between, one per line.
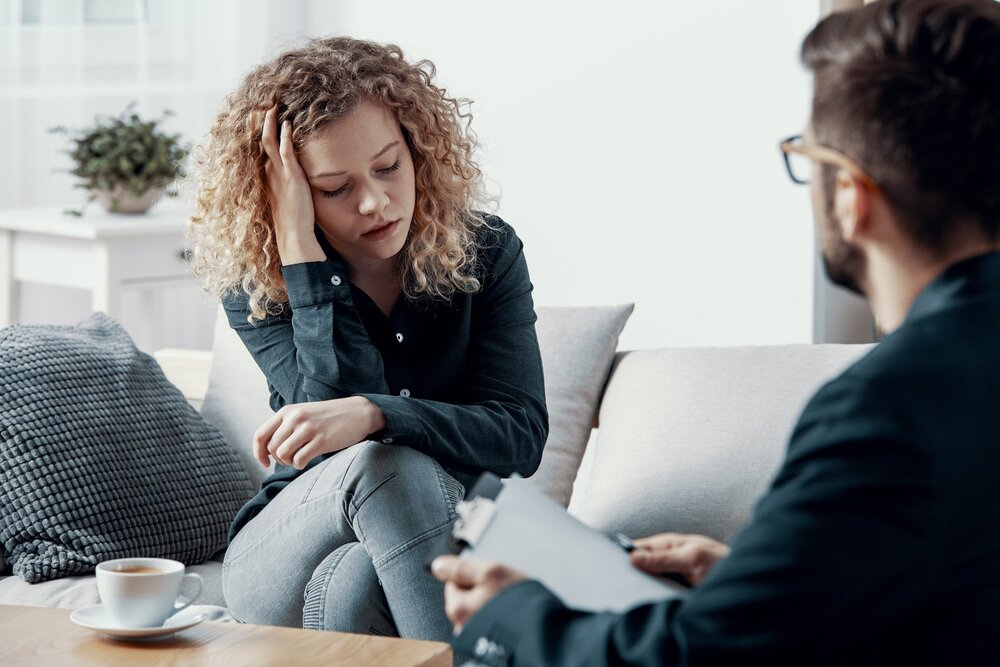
x=334, y=193
x=343, y=188
x=393, y=167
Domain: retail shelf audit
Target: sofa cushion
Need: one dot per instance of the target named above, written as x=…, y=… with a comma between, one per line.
x=101, y=457
x=690, y=438
x=577, y=347
x=77, y=592
x=237, y=400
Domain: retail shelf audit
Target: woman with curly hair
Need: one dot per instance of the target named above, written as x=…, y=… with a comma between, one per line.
x=337, y=221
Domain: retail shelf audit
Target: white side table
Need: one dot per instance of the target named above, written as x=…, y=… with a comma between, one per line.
x=99, y=252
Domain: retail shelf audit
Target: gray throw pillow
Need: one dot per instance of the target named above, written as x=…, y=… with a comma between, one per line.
x=101, y=457
x=577, y=346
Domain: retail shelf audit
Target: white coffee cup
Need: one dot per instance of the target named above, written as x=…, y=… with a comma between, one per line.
x=142, y=592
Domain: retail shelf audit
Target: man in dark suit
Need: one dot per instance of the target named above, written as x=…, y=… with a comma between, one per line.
x=878, y=542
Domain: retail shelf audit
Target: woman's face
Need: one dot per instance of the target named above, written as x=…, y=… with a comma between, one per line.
x=361, y=175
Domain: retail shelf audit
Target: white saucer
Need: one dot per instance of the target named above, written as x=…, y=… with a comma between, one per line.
x=96, y=618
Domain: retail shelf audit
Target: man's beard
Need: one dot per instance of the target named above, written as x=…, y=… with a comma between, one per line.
x=843, y=265
x=843, y=262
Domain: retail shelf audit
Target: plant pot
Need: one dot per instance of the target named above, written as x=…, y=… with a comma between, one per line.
x=120, y=200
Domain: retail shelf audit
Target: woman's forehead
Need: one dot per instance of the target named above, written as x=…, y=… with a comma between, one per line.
x=358, y=137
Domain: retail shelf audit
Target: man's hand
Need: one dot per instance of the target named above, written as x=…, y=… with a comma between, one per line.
x=298, y=433
x=691, y=556
x=469, y=585
x=289, y=193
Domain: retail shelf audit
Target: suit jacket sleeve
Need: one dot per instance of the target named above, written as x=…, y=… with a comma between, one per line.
x=841, y=540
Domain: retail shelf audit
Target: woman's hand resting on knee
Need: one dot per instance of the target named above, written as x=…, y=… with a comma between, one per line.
x=300, y=432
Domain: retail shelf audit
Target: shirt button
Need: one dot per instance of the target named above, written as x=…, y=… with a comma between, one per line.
x=386, y=441
x=335, y=280
x=404, y=393
x=399, y=338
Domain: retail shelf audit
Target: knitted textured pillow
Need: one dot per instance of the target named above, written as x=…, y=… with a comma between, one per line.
x=101, y=457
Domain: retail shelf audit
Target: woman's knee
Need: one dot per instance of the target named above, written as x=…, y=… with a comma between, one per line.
x=376, y=463
x=249, y=602
x=381, y=460
x=344, y=595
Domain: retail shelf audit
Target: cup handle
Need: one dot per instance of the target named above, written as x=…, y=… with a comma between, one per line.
x=201, y=587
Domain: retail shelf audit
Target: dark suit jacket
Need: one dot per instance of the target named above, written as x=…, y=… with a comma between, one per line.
x=878, y=543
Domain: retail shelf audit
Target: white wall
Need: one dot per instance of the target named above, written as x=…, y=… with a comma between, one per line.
x=635, y=148
x=839, y=316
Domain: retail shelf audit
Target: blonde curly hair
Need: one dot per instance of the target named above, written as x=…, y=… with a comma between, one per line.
x=231, y=233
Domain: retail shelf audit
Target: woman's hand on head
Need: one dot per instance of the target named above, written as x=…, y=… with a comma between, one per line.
x=300, y=432
x=288, y=191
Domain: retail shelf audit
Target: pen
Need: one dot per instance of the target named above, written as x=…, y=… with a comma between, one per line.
x=624, y=542
x=629, y=546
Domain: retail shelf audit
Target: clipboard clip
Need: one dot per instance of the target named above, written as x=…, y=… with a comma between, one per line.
x=474, y=516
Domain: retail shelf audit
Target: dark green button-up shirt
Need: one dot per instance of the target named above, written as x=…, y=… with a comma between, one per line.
x=459, y=381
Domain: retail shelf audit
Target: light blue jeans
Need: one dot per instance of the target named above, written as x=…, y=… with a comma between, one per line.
x=343, y=547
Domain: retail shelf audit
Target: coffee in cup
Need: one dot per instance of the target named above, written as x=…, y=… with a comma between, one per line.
x=142, y=592
x=139, y=570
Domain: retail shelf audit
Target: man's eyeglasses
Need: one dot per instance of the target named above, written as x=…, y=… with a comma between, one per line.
x=800, y=156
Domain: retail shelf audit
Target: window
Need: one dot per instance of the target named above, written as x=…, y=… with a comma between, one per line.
x=63, y=62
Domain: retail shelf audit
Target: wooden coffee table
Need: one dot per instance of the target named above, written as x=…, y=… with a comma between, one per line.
x=37, y=636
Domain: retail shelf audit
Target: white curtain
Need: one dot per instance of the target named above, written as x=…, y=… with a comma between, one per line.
x=62, y=62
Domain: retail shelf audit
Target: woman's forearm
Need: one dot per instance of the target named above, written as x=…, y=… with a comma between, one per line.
x=295, y=248
x=297, y=353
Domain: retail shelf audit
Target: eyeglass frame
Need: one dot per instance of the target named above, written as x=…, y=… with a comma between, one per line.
x=822, y=155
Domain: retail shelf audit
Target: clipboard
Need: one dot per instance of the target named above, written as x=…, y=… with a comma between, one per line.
x=513, y=523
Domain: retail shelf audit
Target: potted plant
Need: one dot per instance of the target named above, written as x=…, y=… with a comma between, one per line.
x=125, y=162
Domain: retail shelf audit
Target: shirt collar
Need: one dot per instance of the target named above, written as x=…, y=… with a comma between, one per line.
x=963, y=280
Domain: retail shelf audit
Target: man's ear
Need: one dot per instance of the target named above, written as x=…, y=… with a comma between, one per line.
x=851, y=205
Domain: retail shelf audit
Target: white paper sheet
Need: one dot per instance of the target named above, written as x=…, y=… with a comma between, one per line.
x=533, y=534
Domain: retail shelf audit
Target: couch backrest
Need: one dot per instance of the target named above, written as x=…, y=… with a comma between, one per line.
x=577, y=346
x=690, y=438
x=237, y=399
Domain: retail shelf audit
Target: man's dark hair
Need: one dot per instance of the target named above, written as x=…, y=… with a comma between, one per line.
x=910, y=89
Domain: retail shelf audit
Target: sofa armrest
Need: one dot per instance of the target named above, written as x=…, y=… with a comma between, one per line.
x=188, y=370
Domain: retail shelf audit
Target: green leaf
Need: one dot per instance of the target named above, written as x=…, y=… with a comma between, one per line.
x=125, y=149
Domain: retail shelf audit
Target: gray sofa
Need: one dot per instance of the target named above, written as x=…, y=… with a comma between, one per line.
x=687, y=438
